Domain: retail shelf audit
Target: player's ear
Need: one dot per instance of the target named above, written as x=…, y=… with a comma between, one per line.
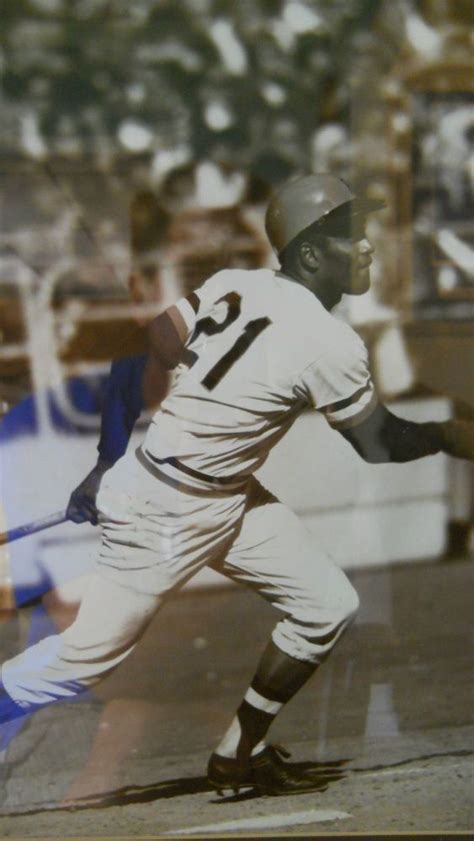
x=309, y=255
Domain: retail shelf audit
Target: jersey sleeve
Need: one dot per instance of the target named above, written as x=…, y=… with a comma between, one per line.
x=197, y=302
x=338, y=382
x=187, y=308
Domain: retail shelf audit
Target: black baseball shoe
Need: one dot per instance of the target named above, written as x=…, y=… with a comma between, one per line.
x=267, y=773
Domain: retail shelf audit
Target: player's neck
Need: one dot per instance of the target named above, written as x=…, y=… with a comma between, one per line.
x=326, y=292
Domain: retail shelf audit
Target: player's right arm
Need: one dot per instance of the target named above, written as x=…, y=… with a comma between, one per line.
x=385, y=437
x=338, y=383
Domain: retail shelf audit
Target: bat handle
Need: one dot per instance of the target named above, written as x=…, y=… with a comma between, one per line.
x=31, y=528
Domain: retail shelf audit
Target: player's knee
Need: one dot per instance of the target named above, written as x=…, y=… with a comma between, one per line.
x=79, y=676
x=340, y=604
x=350, y=603
x=325, y=624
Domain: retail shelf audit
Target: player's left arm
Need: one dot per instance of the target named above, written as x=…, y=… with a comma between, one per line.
x=134, y=383
x=121, y=407
x=385, y=437
x=168, y=335
x=169, y=332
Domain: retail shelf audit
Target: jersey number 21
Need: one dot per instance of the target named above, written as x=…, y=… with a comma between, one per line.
x=208, y=326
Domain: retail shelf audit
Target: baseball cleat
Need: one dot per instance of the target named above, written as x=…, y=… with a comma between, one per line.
x=267, y=773
x=224, y=773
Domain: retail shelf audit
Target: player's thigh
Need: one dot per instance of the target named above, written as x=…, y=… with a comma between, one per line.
x=111, y=617
x=110, y=622
x=155, y=534
x=279, y=558
x=62, y=603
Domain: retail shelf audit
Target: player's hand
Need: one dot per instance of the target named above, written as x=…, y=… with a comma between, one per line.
x=82, y=502
x=458, y=439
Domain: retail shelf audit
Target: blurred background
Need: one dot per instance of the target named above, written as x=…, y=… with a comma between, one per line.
x=140, y=143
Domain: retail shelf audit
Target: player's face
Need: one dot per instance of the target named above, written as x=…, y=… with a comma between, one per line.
x=339, y=255
x=346, y=263
x=344, y=254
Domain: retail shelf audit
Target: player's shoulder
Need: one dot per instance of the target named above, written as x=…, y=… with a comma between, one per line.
x=327, y=336
x=315, y=318
x=228, y=279
x=342, y=347
x=342, y=332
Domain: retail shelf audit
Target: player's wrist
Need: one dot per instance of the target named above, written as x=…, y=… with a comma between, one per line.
x=434, y=433
x=458, y=438
x=447, y=435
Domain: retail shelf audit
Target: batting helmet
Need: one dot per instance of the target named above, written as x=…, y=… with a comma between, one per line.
x=306, y=200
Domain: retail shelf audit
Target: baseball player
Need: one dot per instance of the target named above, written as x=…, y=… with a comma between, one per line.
x=249, y=351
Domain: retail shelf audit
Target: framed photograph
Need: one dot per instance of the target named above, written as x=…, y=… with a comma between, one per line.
x=234, y=570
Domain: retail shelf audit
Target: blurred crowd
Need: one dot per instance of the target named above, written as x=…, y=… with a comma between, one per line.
x=151, y=134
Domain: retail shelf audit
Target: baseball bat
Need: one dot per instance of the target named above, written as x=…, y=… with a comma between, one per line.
x=32, y=527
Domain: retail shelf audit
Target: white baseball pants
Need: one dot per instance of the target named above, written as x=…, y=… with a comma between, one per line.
x=156, y=534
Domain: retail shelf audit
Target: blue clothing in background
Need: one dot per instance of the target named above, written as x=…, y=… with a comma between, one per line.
x=122, y=405
x=84, y=394
x=117, y=396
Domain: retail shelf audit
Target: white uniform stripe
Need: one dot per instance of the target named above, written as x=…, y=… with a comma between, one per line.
x=261, y=703
x=360, y=411
x=187, y=312
x=355, y=414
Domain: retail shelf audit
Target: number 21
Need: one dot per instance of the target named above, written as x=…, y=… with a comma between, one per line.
x=210, y=327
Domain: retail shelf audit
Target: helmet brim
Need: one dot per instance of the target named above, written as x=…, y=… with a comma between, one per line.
x=355, y=209
x=365, y=205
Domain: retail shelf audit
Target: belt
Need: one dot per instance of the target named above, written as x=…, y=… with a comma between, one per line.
x=215, y=481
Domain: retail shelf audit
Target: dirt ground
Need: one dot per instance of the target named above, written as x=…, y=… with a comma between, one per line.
x=387, y=720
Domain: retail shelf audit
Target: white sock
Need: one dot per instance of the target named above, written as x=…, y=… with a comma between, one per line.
x=230, y=741
x=228, y=744
x=261, y=703
x=258, y=748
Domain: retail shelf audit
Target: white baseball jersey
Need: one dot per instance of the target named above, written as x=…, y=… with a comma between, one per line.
x=261, y=348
